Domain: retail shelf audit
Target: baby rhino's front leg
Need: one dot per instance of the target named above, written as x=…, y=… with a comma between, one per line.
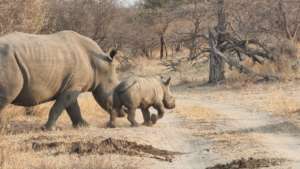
x=131, y=117
x=161, y=111
x=146, y=116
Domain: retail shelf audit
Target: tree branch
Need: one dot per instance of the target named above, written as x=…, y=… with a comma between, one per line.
x=233, y=63
x=285, y=21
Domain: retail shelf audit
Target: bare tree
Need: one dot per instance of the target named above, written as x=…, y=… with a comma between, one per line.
x=225, y=47
x=291, y=30
x=21, y=15
x=160, y=14
x=216, y=63
x=92, y=18
x=198, y=17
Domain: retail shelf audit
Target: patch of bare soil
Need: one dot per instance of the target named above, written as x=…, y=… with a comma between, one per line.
x=101, y=147
x=250, y=163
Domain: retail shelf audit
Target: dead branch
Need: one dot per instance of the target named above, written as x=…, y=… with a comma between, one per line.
x=234, y=63
x=285, y=23
x=231, y=44
x=200, y=53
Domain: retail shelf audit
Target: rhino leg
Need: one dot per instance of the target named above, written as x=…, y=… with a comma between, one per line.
x=9, y=92
x=122, y=112
x=146, y=116
x=115, y=112
x=62, y=102
x=75, y=115
x=160, y=109
x=3, y=104
x=112, y=119
x=131, y=117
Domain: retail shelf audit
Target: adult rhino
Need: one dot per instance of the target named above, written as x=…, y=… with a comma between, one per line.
x=39, y=68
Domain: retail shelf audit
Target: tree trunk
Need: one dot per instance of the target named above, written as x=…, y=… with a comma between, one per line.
x=216, y=69
x=166, y=48
x=172, y=50
x=193, y=49
x=146, y=52
x=151, y=53
x=178, y=46
x=161, y=46
x=217, y=64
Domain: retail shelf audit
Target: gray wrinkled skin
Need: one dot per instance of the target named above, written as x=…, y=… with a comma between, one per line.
x=39, y=68
x=141, y=92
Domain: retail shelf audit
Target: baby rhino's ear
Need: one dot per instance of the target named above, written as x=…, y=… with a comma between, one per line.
x=167, y=82
x=113, y=53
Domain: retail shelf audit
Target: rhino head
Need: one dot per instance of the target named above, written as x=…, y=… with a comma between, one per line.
x=168, y=99
x=107, y=80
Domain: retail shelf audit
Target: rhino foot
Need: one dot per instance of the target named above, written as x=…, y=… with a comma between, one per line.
x=121, y=114
x=154, y=118
x=148, y=123
x=135, y=125
x=110, y=125
x=49, y=128
x=81, y=124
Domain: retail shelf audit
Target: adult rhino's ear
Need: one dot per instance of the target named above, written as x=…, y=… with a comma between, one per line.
x=113, y=53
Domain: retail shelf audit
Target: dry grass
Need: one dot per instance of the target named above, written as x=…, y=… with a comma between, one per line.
x=13, y=119
x=7, y=114
x=277, y=98
x=179, y=68
x=2, y=155
x=15, y=130
x=148, y=67
x=197, y=112
x=244, y=144
x=39, y=161
x=279, y=102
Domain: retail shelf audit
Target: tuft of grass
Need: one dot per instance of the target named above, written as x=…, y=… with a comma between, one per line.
x=2, y=156
x=196, y=112
x=279, y=102
x=5, y=117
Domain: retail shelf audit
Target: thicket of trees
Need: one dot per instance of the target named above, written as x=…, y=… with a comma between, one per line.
x=258, y=29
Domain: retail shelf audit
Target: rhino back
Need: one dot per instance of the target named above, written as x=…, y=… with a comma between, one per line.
x=140, y=91
x=51, y=64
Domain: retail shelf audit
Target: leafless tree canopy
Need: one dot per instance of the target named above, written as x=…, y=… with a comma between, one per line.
x=260, y=30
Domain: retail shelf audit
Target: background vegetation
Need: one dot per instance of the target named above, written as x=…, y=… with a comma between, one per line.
x=161, y=28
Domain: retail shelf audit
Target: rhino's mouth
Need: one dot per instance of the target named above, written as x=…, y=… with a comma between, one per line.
x=169, y=103
x=170, y=106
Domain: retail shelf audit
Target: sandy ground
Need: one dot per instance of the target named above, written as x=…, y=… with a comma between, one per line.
x=256, y=126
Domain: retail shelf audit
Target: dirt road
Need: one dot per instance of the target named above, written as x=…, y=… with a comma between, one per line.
x=240, y=133
x=237, y=129
x=210, y=127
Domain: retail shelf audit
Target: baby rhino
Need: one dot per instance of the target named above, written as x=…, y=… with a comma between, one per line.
x=142, y=92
